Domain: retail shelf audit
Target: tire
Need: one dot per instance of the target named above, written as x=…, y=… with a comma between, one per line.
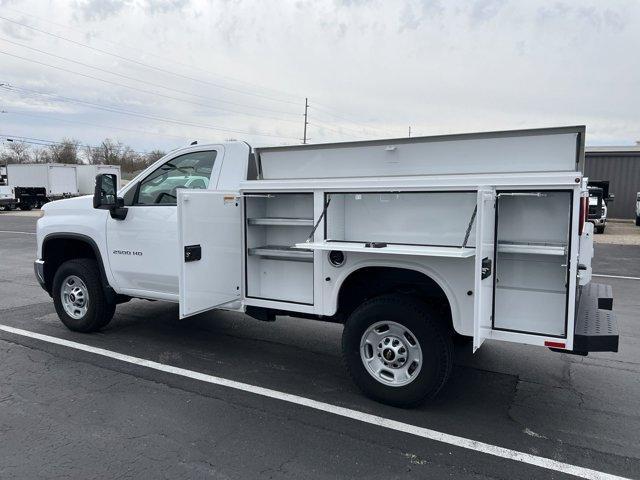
x=461, y=340
x=599, y=229
x=637, y=221
x=415, y=320
x=85, y=296
x=26, y=207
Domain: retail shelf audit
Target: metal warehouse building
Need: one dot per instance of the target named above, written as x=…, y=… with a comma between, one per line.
x=621, y=166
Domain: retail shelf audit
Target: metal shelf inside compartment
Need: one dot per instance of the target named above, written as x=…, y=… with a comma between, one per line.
x=284, y=221
x=537, y=248
x=283, y=252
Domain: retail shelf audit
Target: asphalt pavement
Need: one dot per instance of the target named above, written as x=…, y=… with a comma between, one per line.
x=70, y=413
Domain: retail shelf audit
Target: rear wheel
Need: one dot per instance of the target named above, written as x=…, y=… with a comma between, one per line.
x=79, y=298
x=637, y=221
x=599, y=229
x=397, y=350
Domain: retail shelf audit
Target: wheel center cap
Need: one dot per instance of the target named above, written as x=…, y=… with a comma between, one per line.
x=388, y=354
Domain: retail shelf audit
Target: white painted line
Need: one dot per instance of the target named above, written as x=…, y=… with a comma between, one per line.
x=615, y=276
x=13, y=231
x=376, y=420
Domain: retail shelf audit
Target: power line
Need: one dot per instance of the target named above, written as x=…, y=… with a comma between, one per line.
x=140, y=115
x=105, y=52
x=45, y=143
x=325, y=108
x=344, y=134
x=141, y=81
x=329, y=111
x=151, y=54
x=110, y=127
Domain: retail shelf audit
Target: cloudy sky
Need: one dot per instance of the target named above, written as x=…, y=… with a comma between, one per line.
x=160, y=73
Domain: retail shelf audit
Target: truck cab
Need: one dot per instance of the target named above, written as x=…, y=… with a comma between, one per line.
x=410, y=243
x=138, y=252
x=7, y=197
x=597, y=209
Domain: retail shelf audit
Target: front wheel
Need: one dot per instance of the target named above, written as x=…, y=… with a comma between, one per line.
x=599, y=229
x=79, y=298
x=397, y=350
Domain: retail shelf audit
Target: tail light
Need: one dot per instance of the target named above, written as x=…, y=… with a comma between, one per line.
x=583, y=213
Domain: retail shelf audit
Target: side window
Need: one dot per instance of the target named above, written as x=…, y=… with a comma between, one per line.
x=192, y=170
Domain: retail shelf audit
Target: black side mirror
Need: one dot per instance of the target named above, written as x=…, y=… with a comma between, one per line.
x=611, y=197
x=105, y=196
x=105, y=192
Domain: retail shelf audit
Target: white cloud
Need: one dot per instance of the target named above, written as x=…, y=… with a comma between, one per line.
x=437, y=66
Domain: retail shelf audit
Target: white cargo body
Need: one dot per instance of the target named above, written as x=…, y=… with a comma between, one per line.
x=58, y=179
x=87, y=176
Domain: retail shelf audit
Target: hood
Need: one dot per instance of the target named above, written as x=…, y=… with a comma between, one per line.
x=77, y=203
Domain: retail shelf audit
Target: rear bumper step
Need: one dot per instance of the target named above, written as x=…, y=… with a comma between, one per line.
x=596, y=327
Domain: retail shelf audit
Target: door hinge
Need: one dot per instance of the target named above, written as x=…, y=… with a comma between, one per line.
x=192, y=253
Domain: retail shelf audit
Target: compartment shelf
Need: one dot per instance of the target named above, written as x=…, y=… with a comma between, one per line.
x=393, y=249
x=281, y=221
x=283, y=252
x=532, y=248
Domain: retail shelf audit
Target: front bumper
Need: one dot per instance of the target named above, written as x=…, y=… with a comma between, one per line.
x=38, y=269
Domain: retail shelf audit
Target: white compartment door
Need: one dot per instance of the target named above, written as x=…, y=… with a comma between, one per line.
x=210, y=249
x=484, y=266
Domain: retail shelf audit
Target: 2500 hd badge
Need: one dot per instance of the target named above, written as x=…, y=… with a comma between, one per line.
x=127, y=252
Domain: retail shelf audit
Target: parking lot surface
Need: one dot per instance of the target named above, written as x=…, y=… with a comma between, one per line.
x=71, y=413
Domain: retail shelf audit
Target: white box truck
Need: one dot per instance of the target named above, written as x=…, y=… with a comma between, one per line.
x=408, y=242
x=87, y=176
x=38, y=183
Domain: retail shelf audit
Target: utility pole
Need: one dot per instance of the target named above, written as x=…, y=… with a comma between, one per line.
x=409, y=131
x=306, y=110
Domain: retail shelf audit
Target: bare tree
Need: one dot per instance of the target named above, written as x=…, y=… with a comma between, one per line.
x=16, y=152
x=64, y=152
x=152, y=156
x=107, y=153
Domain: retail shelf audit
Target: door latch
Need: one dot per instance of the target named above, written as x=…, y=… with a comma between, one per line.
x=192, y=253
x=486, y=268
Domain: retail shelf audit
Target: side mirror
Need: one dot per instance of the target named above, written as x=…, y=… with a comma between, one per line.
x=611, y=197
x=105, y=192
x=105, y=196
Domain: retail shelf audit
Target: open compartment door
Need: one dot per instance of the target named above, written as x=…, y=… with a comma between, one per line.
x=484, y=265
x=210, y=249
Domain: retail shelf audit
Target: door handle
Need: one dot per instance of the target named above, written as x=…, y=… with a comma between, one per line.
x=192, y=253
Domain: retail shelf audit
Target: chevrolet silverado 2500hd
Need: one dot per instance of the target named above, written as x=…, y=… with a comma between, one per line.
x=408, y=242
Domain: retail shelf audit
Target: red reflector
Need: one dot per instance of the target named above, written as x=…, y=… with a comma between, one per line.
x=584, y=209
x=554, y=344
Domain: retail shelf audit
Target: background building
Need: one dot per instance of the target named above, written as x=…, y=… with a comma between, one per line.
x=621, y=166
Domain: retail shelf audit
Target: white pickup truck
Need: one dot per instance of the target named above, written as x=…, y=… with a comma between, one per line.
x=411, y=243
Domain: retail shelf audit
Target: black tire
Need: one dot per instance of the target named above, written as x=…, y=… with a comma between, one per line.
x=99, y=310
x=637, y=221
x=461, y=340
x=26, y=206
x=430, y=332
x=599, y=229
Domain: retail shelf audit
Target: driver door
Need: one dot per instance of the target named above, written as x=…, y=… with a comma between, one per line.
x=141, y=248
